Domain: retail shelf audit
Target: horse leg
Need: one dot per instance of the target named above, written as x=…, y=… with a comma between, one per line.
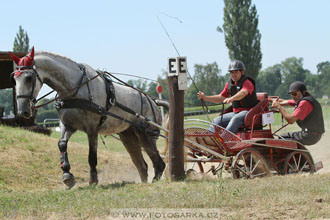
x=67, y=177
x=130, y=141
x=149, y=145
x=92, y=158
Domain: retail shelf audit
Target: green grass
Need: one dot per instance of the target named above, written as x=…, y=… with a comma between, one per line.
x=31, y=187
x=296, y=197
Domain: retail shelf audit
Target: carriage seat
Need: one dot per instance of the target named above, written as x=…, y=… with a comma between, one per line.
x=261, y=107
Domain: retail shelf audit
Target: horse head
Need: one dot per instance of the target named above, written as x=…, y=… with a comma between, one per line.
x=27, y=84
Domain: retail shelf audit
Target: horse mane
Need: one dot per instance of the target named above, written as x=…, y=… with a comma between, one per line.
x=57, y=56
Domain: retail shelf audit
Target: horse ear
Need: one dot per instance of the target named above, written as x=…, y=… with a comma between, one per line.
x=14, y=57
x=31, y=54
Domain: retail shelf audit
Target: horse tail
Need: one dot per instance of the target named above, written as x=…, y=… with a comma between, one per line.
x=166, y=105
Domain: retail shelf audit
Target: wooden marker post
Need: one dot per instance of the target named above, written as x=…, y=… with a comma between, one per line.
x=177, y=83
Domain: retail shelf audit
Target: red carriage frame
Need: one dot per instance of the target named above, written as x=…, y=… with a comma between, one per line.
x=252, y=152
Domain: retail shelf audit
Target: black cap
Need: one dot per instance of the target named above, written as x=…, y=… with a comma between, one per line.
x=297, y=86
x=236, y=65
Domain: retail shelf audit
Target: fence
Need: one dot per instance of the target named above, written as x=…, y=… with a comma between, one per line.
x=49, y=122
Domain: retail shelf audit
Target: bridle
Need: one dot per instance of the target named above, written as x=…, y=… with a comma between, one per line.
x=35, y=76
x=32, y=71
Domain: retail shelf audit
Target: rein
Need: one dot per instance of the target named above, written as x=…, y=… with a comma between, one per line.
x=126, y=84
x=75, y=89
x=89, y=104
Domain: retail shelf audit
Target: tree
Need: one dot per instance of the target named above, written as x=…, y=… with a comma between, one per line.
x=139, y=84
x=6, y=100
x=291, y=70
x=163, y=83
x=150, y=88
x=21, y=42
x=323, y=71
x=269, y=79
x=242, y=36
x=207, y=79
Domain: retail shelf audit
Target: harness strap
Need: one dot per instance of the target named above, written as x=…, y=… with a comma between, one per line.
x=84, y=104
x=75, y=90
x=89, y=106
x=126, y=109
x=152, y=108
x=83, y=70
x=141, y=103
x=111, y=96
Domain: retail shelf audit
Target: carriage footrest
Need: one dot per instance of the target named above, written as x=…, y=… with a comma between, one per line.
x=318, y=166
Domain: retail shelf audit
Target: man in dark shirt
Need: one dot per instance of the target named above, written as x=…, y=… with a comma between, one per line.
x=307, y=114
x=240, y=91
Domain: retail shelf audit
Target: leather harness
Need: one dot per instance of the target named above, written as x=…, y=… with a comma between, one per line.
x=89, y=105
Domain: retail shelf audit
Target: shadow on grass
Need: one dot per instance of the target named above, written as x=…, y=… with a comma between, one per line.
x=115, y=185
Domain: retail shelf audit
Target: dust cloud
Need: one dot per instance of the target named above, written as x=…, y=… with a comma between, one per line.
x=321, y=152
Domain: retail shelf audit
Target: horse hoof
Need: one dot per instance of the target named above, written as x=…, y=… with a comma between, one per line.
x=93, y=183
x=159, y=173
x=68, y=180
x=157, y=177
x=93, y=179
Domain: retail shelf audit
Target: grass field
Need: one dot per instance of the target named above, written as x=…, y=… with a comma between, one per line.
x=31, y=187
x=294, y=197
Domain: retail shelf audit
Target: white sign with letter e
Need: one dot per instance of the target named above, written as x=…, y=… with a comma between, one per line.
x=178, y=67
x=267, y=118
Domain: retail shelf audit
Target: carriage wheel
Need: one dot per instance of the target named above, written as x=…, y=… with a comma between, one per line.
x=191, y=168
x=249, y=164
x=279, y=166
x=195, y=168
x=298, y=162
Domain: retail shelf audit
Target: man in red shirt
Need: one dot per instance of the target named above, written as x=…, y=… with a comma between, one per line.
x=240, y=91
x=307, y=114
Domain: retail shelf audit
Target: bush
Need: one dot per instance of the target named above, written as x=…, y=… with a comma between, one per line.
x=42, y=115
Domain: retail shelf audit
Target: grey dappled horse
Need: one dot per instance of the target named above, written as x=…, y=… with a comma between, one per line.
x=66, y=77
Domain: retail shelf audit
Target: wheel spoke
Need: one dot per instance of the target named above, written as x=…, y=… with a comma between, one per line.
x=259, y=174
x=242, y=170
x=299, y=161
x=303, y=166
x=294, y=169
x=255, y=166
x=251, y=160
x=244, y=162
x=295, y=162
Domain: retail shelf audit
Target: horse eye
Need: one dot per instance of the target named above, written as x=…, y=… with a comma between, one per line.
x=28, y=79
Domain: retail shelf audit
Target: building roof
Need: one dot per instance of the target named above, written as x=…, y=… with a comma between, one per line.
x=4, y=55
x=7, y=67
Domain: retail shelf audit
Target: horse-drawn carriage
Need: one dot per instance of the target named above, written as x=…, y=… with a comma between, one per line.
x=87, y=100
x=251, y=152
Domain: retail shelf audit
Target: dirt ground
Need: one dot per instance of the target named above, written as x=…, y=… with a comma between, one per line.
x=321, y=152
x=122, y=168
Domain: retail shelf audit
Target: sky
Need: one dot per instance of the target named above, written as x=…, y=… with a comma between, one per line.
x=126, y=36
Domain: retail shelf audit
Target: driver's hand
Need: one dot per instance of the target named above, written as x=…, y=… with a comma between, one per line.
x=200, y=95
x=228, y=100
x=276, y=104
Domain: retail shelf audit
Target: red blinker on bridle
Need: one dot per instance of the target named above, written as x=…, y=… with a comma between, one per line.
x=23, y=63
